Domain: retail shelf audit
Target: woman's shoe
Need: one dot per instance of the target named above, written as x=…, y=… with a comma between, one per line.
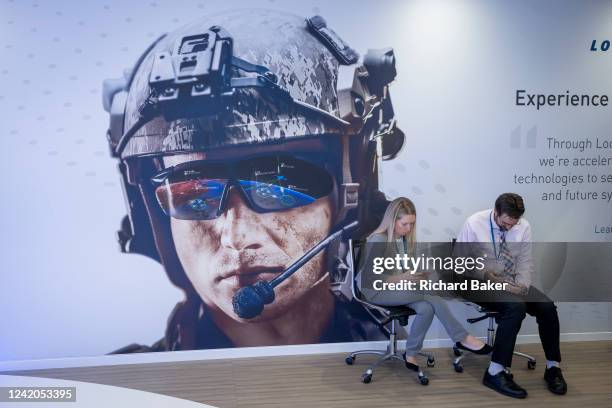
x=410, y=366
x=486, y=349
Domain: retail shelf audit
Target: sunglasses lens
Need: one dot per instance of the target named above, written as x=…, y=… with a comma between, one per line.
x=272, y=197
x=272, y=183
x=280, y=183
x=191, y=199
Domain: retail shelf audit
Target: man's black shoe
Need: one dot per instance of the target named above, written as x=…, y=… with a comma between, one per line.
x=555, y=381
x=503, y=383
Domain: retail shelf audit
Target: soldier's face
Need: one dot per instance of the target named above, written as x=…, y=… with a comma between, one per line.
x=241, y=247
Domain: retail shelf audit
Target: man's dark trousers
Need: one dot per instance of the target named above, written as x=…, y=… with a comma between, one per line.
x=511, y=312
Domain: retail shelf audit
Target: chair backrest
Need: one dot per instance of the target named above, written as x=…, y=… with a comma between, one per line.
x=355, y=250
x=382, y=314
x=479, y=309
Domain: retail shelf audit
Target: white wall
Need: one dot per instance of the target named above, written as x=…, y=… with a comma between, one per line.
x=67, y=291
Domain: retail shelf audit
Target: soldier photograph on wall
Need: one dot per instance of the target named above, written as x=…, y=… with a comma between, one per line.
x=248, y=144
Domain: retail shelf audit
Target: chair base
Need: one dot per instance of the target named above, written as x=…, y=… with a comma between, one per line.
x=459, y=355
x=390, y=354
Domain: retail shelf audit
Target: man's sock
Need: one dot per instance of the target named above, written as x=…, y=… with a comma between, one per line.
x=550, y=364
x=495, y=368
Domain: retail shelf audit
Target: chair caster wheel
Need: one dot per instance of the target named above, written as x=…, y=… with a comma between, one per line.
x=349, y=360
x=457, y=352
x=458, y=367
x=431, y=362
x=423, y=380
x=366, y=378
x=531, y=364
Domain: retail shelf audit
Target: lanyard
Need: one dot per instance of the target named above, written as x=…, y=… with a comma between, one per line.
x=497, y=255
x=404, y=244
x=399, y=246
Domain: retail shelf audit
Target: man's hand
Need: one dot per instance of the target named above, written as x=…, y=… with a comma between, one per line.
x=492, y=276
x=516, y=289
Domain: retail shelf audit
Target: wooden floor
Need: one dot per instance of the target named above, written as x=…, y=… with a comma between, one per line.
x=326, y=381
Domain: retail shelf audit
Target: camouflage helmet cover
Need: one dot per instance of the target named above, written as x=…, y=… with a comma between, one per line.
x=281, y=42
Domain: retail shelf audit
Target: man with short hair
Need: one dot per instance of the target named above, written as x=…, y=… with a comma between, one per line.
x=505, y=236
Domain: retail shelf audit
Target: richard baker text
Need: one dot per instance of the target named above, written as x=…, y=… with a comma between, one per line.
x=430, y=285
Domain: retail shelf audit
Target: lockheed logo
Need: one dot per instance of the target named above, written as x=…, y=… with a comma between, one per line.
x=600, y=45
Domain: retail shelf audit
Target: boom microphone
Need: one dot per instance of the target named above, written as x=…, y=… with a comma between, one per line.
x=249, y=301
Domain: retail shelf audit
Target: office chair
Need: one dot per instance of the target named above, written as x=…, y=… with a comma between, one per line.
x=389, y=314
x=488, y=314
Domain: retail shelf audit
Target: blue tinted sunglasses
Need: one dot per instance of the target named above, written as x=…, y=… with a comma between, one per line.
x=198, y=190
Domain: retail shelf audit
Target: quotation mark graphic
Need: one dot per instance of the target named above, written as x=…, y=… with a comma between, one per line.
x=530, y=137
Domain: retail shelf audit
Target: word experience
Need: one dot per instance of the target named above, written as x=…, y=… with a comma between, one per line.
x=565, y=99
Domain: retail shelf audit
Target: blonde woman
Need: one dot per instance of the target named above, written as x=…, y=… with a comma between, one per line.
x=397, y=235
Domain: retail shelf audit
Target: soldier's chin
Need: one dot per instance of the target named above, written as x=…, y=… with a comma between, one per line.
x=273, y=311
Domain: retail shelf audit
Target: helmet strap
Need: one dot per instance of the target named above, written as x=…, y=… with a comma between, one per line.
x=349, y=191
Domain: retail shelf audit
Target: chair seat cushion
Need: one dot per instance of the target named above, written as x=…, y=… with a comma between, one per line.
x=399, y=311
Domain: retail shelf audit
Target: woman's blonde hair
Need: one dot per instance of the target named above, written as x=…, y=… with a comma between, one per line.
x=397, y=208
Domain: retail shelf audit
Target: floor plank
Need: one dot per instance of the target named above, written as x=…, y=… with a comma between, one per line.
x=326, y=381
